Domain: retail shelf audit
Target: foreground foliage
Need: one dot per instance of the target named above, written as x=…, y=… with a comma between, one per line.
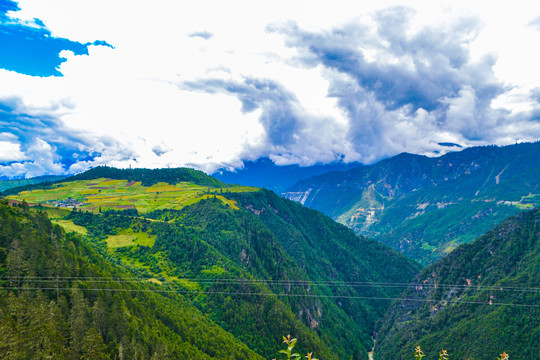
x=418, y=353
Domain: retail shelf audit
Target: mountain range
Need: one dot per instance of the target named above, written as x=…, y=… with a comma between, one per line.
x=425, y=207
x=252, y=266
x=264, y=173
x=172, y=263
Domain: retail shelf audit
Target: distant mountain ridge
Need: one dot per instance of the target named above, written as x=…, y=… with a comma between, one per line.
x=424, y=206
x=14, y=183
x=264, y=173
x=149, y=176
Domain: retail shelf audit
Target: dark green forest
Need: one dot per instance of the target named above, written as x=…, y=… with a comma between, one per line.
x=308, y=279
x=234, y=269
x=62, y=299
x=149, y=177
x=481, y=300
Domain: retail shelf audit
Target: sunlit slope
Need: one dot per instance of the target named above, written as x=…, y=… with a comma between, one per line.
x=110, y=194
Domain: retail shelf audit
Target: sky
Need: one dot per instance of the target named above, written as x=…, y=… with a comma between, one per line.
x=210, y=84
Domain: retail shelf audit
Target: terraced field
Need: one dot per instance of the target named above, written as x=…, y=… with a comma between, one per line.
x=107, y=194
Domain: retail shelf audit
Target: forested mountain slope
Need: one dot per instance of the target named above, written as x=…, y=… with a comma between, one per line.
x=481, y=300
x=62, y=299
x=257, y=265
x=425, y=207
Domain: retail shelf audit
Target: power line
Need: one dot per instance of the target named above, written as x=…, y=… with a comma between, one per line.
x=297, y=283
x=198, y=292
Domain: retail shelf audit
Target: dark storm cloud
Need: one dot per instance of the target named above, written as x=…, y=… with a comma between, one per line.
x=399, y=90
x=417, y=71
x=47, y=146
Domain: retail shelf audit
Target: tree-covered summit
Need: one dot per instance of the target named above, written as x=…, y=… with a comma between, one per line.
x=149, y=177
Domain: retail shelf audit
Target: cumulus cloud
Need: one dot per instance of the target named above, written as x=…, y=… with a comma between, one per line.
x=417, y=70
x=343, y=82
x=278, y=115
x=36, y=142
x=408, y=91
x=292, y=135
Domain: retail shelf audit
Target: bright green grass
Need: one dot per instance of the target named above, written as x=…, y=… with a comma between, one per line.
x=69, y=226
x=107, y=194
x=130, y=238
x=525, y=206
x=55, y=213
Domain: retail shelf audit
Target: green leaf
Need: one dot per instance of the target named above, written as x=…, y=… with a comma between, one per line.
x=292, y=343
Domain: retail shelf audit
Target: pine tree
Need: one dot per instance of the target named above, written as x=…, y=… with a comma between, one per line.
x=93, y=347
x=78, y=321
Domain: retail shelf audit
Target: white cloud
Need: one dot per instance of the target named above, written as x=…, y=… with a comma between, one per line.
x=10, y=152
x=131, y=94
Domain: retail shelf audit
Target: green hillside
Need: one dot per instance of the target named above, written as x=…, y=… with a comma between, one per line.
x=425, y=207
x=101, y=194
x=62, y=299
x=481, y=300
x=256, y=265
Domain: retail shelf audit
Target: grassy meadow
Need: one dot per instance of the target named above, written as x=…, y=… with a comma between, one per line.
x=130, y=238
x=106, y=194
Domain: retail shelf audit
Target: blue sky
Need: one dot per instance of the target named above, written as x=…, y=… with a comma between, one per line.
x=210, y=84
